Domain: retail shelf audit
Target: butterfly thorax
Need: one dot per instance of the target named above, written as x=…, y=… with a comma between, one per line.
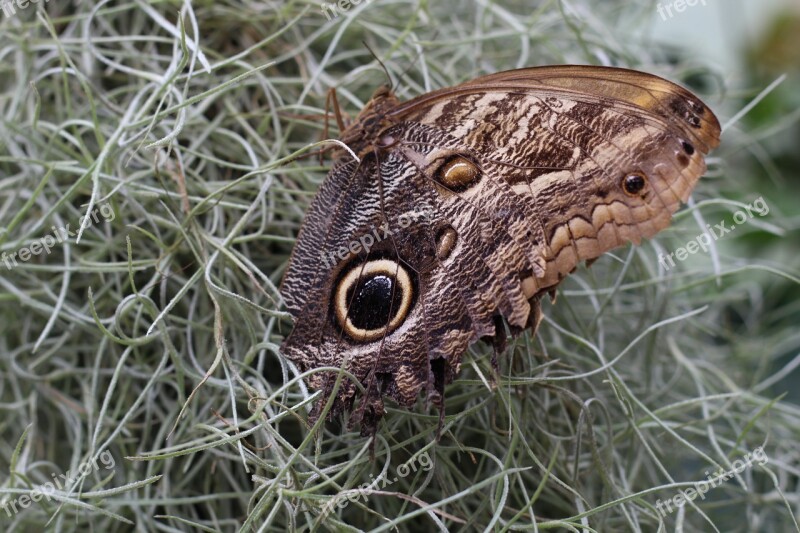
x=363, y=133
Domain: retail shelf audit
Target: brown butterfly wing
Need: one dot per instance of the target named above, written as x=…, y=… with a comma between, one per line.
x=509, y=181
x=638, y=92
x=403, y=230
x=592, y=126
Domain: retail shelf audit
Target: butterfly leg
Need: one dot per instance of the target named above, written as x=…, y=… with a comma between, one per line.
x=332, y=100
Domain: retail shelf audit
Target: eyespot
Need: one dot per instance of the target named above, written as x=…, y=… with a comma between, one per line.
x=446, y=239
x=458, y=173
x=687, y=147
x=373, y=299
x=634, y=184
x=697, y=107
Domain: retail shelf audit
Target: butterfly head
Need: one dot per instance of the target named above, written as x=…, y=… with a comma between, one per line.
x=372, y=120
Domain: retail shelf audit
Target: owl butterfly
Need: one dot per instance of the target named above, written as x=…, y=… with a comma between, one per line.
x=465, y=206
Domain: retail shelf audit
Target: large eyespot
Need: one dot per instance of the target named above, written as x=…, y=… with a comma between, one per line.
x=634, y=184
x=373, y=299
x=458, y=173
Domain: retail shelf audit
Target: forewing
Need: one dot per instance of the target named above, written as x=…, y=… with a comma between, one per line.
x=567, y=137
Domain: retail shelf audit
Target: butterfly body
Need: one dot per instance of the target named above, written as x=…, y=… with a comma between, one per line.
x=465, y=205
x=364, y=133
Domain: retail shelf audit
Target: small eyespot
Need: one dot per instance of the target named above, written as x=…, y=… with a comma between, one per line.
x=458, y=173
x=634, y=184
x=373, y=299
x=446, y=239
x=687, y=147
x=697, y=107
x=694, y=121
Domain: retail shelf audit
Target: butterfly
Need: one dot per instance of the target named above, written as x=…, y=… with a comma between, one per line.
x=450, y=215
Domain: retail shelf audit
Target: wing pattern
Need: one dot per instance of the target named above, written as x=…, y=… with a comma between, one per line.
x=478, y=199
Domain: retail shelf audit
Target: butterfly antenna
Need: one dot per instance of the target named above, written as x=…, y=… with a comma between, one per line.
x=406, y=71
x=411, y=65
x=385, y=70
